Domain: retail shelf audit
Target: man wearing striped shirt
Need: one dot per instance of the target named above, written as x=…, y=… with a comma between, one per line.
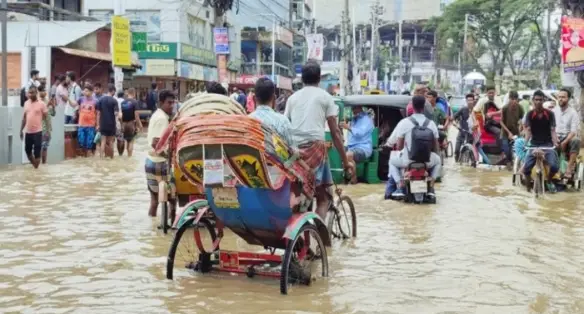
x=265, y=96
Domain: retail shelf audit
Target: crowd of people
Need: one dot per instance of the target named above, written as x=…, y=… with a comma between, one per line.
x=102, y=116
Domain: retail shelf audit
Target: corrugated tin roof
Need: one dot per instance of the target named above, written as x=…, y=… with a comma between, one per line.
x=48, y=33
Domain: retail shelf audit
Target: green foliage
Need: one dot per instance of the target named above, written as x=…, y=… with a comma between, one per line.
x=502, y=29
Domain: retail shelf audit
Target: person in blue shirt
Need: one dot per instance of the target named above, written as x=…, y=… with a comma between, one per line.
x=265, y=97
x=359, y=142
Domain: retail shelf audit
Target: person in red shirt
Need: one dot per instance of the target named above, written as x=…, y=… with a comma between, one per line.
x=32, y=126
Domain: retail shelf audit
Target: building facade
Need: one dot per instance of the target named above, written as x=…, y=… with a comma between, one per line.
x=264, y=25
x=179, y=52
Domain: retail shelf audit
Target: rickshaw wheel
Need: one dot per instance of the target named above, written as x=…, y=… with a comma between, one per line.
x=339, y=224
x=189, y=244
x=301, y=260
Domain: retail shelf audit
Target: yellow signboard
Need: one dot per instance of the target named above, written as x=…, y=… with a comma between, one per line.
x=121, y=42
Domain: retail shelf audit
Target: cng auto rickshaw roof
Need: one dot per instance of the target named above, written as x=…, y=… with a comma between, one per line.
x=390, y=101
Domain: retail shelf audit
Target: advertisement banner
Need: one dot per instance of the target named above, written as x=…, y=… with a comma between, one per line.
x=156, y=67
x=121, y=42
x=221, y=37
x=222, y=68
x=247, y=79
x=572, y=43
x=315, y=45
x=284, y=82
x=139, y=41
x=197, y=55
x=159, y=51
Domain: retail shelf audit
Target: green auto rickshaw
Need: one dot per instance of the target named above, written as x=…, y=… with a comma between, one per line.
x=386, y=111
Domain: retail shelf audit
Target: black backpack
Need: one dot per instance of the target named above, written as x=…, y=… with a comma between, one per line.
x=23, y=97
x=421, y=142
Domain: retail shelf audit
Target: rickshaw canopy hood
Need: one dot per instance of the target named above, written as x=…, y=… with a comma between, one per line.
x=389, y=101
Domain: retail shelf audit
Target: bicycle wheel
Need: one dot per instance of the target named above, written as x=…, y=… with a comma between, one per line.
x=467, y=157
x=164, y=217
x=339, y=224
x=538, y=185
x=184, y=250
x=300, y=261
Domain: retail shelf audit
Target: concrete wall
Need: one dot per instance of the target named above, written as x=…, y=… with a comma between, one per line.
x=11, y=147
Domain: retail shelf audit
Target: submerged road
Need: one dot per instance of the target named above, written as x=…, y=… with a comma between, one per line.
x=75, y=238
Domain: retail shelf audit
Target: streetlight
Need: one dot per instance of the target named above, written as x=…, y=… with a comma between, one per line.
x=273, y=42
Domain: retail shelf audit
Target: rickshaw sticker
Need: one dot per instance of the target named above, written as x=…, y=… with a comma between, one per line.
x=252, y=171
x=225, y=198
x=194, y=168
x=213, y=172
x=281, y=149
x=229, y=178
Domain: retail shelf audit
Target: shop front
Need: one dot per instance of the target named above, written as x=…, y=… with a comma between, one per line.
x=158, y=65
x=161, y=71
x=192, y=78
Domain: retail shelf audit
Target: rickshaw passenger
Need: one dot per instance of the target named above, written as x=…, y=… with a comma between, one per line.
x=540, y=127
x=403, y=137
x=491, y=97
x=439, y=116
x=359, y=143
x=308, y=110
x=265, y=95
x=568, y=129
x=511, y=115
x=463, y=116
x=157, y=166
x=421, y=90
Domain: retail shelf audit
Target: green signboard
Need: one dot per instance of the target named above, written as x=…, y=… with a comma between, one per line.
x=197, y=55
x=139, y=41
x=159, y=51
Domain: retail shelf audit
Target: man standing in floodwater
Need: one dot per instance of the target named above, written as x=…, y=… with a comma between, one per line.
x=156, y=166
x=32, y=123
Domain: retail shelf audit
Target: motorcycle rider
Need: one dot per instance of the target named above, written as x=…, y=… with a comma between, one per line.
x=402, y=136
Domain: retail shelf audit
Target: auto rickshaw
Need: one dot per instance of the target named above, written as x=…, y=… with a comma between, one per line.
x=386, y=111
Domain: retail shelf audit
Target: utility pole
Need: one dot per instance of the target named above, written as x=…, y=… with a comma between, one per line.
x=463, y=54
x=376, y=11
x=346, y=50
x=343, y=72
x=547, y=67
x=4, y=17
x=355, y=82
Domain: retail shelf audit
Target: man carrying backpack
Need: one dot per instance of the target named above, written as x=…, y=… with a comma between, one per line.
x=416, y=138
x=33, y=81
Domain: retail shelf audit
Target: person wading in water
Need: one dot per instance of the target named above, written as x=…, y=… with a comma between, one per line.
x=32, y=123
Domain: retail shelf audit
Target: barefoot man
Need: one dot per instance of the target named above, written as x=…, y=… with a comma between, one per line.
x=157, y=167
x=32, y=123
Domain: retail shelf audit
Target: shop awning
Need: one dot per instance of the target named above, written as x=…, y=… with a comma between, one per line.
x=95, y=55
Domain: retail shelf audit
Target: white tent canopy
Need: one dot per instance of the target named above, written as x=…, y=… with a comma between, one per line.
x=474, y=76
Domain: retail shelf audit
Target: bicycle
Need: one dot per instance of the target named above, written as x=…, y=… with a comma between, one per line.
x=540, y=170
x=334, y=223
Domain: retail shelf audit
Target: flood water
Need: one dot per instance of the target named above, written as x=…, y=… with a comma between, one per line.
x=75, y=238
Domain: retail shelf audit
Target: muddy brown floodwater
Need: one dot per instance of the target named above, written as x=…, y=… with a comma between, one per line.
x=75, y=238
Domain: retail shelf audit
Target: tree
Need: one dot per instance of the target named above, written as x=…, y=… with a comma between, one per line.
x=495, y=25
